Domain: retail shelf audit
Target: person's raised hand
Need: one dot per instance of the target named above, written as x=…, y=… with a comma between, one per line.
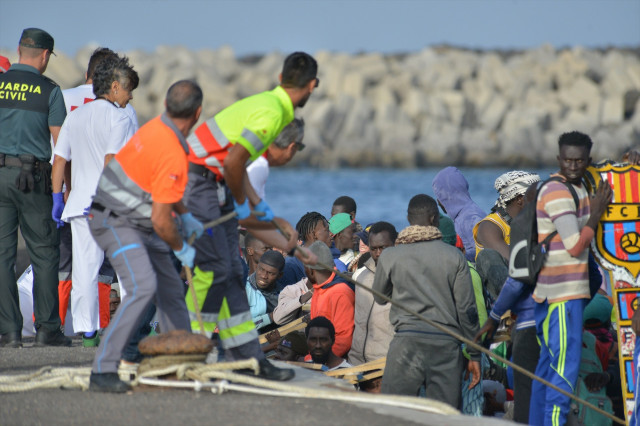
x=601, y=199
x=632, y=157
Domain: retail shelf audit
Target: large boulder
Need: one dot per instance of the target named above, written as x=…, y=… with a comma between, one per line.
x=438, y=144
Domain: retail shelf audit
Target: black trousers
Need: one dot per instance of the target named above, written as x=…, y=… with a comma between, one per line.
x=526, y=352
x=31, y=211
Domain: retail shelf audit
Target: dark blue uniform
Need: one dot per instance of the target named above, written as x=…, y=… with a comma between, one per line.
x=29, y=105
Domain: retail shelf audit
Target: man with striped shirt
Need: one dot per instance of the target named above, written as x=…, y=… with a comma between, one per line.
x=562, y=289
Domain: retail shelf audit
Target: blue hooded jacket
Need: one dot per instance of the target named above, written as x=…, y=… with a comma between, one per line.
x=452, y=190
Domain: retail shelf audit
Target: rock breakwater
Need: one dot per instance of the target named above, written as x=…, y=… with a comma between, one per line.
x=438, y=106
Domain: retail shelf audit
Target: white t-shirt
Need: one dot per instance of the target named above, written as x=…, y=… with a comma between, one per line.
x=258, y=172
x=87, y=135
x=343, y=364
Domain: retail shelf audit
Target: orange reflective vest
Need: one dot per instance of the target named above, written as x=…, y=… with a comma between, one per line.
x=253, y=122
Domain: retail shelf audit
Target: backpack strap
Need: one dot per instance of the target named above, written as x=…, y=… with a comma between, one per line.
x=572, y=190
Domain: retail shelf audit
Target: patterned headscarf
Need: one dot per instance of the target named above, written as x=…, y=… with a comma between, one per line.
x=512, y=184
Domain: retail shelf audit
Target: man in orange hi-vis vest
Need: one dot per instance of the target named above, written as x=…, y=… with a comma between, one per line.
x=131, y=219
x=219, y=151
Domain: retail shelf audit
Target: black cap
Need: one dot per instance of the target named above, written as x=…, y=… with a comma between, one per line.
x=364, y=234
x=37, y=38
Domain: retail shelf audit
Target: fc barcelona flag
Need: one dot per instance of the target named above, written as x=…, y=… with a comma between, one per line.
x=617, y=239
x=616, y=245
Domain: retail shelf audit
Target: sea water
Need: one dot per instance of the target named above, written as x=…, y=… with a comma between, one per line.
x=381, y=194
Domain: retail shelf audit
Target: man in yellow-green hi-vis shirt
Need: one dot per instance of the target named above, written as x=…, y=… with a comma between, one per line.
x=219, y=151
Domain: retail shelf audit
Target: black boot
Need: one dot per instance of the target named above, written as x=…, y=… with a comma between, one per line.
x=12, y=339
x=271, y=372
x=107, y=382
x=51, y=338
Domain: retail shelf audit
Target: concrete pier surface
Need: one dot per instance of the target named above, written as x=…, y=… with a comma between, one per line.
x=159, y=406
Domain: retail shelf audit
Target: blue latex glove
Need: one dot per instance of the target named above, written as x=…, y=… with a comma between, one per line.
x=86, y=211
x=268, y=213
x=58, y=206
x=186, y=254
x=243, y=210
x=191, y=225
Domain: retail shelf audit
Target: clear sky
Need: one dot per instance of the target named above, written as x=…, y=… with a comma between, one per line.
x=388, y=26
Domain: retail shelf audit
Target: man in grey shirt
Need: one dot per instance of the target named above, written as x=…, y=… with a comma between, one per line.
x=432, y=278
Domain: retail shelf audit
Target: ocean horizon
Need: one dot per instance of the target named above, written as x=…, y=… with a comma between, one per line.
x=380, y=194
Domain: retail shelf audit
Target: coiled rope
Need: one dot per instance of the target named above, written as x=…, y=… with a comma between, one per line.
x=47, y=378
x=202, y=374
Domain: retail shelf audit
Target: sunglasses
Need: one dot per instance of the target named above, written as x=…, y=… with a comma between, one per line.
x=317, y=83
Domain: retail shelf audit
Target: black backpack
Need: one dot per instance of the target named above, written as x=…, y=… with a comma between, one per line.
x=527, y=255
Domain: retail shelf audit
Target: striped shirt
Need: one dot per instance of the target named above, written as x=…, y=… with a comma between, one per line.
x=563, y=277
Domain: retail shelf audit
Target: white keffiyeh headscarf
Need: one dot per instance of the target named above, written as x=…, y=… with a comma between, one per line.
x=512, y=184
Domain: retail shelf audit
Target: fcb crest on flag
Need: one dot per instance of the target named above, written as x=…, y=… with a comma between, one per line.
x=617, y=247
x=617, y=239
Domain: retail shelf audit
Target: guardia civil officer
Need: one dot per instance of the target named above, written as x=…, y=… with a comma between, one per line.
x=31, y=112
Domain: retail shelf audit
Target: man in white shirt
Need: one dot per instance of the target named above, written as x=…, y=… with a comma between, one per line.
x=73, y=99
x=281, y=151
x=321, y=335
x=90, y=136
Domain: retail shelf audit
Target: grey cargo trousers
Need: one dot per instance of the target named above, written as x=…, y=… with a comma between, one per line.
x=145, y=268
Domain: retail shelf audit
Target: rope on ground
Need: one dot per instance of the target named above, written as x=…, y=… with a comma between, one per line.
x=461, y=338
x=157, y=365
x=47, y=378
x=202, y=374
x=173, y=365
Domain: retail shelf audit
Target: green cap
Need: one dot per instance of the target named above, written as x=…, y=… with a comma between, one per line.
x=339, y=222
x=448, y=230
x=37, y=38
